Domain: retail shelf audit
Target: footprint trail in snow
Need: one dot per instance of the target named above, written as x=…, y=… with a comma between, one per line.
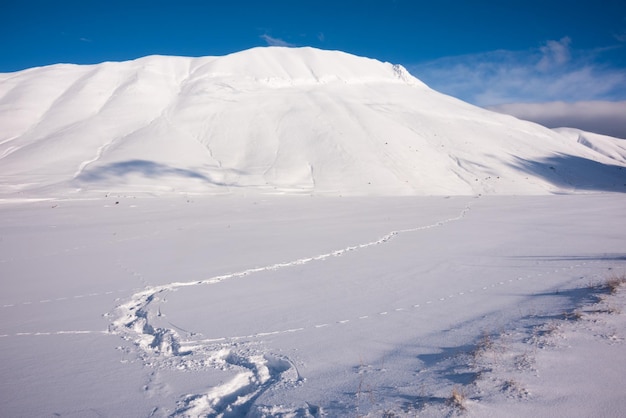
x=162, y=347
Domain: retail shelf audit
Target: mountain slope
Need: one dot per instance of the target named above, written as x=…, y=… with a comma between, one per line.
x=273, y=120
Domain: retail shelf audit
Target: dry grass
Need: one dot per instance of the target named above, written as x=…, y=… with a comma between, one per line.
x=572, y=316
x=514, y=389
x=614, y=283
x=485, y=346
x=457, y=399
x=485, y=343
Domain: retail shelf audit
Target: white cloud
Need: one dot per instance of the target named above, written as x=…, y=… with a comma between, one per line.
x=552, y=72
x=601, y=117
x=554, y=85
x=271, y=41
x=554, y=54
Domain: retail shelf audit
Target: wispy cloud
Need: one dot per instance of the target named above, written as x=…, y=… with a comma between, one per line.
x=602, y=117
x=271, y=41
x=554, y=54
x=553, y=71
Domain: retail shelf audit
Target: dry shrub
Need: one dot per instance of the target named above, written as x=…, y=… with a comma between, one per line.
x=457, y=399
x=614, y=283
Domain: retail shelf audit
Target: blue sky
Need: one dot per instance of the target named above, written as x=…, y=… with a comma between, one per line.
x=487, y=52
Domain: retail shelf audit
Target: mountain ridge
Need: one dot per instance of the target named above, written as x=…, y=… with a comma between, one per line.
x=274, y=120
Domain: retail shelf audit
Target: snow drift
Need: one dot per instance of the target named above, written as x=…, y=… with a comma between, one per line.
x=275, y=120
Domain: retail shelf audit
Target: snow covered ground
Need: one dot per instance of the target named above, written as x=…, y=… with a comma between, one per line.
x=309, y=306
x=296, y=232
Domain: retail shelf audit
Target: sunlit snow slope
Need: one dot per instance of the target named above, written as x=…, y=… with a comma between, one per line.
x=275, y=120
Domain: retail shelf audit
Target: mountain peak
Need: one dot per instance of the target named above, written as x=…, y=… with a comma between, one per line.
x=305, y=65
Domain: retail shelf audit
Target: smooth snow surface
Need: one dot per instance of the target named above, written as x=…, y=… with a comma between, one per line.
x=605, y=145
x=273, y=121
x=303, y=306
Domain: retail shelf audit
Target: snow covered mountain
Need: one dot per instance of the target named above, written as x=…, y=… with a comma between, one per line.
x=188, y=306
x=276, y=120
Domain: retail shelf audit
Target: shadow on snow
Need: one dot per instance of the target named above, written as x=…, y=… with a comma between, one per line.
x=572, y=172
x=149, y=169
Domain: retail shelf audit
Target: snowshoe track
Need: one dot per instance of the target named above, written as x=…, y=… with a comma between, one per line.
x=158, y=346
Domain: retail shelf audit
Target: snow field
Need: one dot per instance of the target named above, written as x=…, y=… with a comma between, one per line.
x=293, y=306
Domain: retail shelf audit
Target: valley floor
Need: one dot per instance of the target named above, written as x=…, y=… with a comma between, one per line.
x=306, y=306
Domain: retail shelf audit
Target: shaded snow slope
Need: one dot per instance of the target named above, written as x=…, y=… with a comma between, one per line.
x=274, y=120
x=605, y=145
